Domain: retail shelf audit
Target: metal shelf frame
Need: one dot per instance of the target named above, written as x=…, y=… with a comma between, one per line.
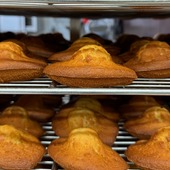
x=87, y=8
x=141, y=86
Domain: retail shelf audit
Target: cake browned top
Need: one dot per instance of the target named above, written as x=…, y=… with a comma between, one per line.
x=76, y=45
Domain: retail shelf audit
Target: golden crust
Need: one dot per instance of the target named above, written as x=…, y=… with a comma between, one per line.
x=82, y=117
x=35, y=107
x=152, y=154
x=76, y=45
x=152, y=60
x=136, y=106
x=18, y=117
x=152, y=119
x=15, y=65
x=84, y=150
x=92, y=103
x=90, y=64
x=98, y=107
x=20, y=150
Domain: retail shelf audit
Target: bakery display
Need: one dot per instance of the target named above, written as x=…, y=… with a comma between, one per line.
x=83, y=150
x=151, y=120
x=90, y=66
x=152, y=154
x=20, y=150
x=36, y=107
x=84, y=118
x=18, y=117
x=152, y=60
x=16, y=66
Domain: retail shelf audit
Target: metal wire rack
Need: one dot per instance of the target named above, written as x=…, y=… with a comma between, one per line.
x=140, y=86
x=123, y=140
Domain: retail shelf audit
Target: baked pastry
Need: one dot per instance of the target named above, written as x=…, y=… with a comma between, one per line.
x=76, y=45
x=83, y=150
x=110, y=47
x=93, y=103
x=17, y=116
x=152, y=154
x=90, y=66
x=135, y=46
x=55, y=41
x=89, y=103
x=37, y=46
x=15, y=65
x=98, y=107
x=20, y=150
x=35, y=107
x=152, y=60
x=152, y=119
x=81, y=117
x=136, y=106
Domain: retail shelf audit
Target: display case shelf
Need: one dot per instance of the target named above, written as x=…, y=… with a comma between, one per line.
x=141, y=86
x=86, y=8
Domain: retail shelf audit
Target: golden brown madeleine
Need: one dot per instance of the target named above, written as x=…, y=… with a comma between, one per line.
x=19, y=150
x=37, y=46
x=135, y=46
x=75, y=46
x=83, y=150
x=136, y=106
x=35, y=107
x=152, y=60
x=95, y=105
x=82, y=117
x=152, y=119
x=90, y=66
x=15, y=65
x=25, y=49
x=152, y=154
x=92, y=103
x=89, y=103
x=18, y=117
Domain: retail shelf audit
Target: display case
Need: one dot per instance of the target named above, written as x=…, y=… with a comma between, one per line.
x=93, y=9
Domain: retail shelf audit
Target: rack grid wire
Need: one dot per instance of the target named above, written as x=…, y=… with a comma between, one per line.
x=140, y=86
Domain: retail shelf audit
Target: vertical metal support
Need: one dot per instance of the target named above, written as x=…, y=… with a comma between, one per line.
x=75, y=28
